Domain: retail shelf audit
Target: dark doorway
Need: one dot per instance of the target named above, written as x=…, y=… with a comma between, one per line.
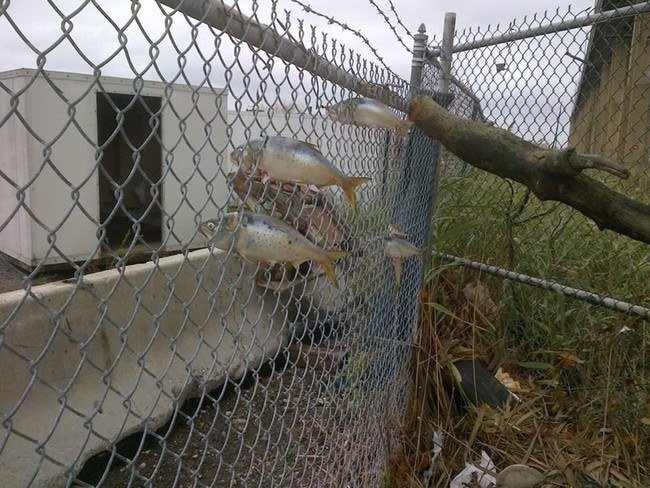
x=132, y=160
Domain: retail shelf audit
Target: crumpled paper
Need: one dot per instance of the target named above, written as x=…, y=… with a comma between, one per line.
x=473, y=474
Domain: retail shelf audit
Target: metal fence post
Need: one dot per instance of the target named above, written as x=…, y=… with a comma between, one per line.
x=447, y=51
x=444, y=97
x=419, y=51
x=412, y=213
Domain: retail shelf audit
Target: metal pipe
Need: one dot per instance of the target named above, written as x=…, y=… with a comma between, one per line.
x=419, y=53
x=218, y=15
x=448, y=33
x=584, y=21
x=586, y=296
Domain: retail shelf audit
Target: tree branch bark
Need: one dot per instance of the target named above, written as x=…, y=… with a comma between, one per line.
x=551, y=174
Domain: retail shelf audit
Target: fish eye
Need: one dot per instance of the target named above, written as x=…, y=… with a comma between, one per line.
x=210, y=225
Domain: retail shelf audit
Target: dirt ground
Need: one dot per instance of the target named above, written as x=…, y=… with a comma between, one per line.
x=11, y=278
x=259, y=433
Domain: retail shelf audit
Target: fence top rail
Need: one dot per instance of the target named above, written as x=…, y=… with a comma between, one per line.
x=227, y=19
x=564, y=25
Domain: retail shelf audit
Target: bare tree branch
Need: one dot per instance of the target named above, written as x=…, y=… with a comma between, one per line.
x=551, y=174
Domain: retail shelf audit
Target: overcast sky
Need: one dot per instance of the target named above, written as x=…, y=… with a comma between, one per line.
x=94, y=37
x=98, y=38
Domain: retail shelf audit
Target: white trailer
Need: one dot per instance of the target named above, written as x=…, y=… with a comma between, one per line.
x=79, y=153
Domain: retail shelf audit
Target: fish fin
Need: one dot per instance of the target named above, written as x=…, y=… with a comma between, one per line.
x=313, y=146
x=396, y=231
x=348, y=189
x=336, y=254
x=398, y=265
x=328, y=265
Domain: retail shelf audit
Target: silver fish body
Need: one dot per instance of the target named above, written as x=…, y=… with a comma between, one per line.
x=398, y=249
x=267, y=239
x=366, y=112
x=289, y=160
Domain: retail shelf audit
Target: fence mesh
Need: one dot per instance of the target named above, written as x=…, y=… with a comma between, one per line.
x=586, y=87
x=195, y=367
x=133, y=355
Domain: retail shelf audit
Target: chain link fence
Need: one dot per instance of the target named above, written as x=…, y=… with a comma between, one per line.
x=560, y=79
x=132, y=355
x=197, y=367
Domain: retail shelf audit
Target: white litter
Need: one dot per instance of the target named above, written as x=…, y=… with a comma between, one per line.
x=437, y=449
x=481, y=475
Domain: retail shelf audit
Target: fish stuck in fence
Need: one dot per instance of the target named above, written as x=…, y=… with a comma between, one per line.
x=289, y=160
x=366, y=112
x=269, y=240
x=309, y=211
x=398, y=249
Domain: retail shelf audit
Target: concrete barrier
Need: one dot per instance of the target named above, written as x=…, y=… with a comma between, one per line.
x=84, y=366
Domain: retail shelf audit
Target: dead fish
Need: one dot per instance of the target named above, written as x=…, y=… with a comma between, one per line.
x=267, y=239
x=367, y=112
x=309, y=212
x=398, y=249
x=396, y=231
x=288, y=160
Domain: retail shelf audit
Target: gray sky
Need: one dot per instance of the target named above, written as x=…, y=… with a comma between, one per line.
x=97, y=39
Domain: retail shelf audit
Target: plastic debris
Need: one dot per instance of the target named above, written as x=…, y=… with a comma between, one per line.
x=434, y=461
x=511, y=384
x=471, y=382
x=478, y=476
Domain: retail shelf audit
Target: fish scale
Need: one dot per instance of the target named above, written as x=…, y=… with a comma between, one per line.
x=267, y=239
x=288, y=160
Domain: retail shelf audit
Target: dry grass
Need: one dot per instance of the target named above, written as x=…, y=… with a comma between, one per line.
x=584, y=402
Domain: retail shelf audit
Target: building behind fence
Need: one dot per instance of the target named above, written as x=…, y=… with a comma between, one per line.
x=187, y=369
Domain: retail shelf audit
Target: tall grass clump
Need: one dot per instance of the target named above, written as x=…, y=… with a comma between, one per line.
x=581, y=369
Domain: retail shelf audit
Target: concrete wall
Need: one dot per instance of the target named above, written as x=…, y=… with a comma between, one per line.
x=82, y=367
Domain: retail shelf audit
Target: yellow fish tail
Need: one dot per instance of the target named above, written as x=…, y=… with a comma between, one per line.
x=328, y=264
x=348, y=189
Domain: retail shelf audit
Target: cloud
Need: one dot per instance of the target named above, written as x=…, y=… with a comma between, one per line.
x=138, y=38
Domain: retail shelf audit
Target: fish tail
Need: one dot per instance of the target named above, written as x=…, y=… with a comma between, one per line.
x=328, y=264
x=403, y=129
x=348, y=189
